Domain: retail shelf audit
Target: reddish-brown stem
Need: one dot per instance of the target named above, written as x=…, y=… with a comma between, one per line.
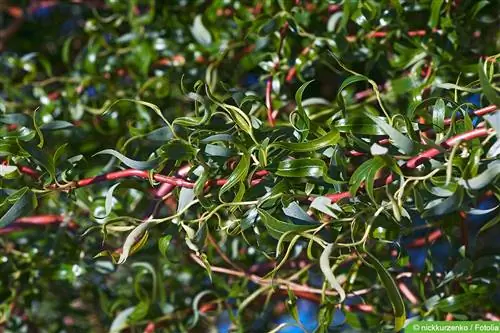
x=175, y=181
x=411, y=164
x=269, y=102
x=10, y=229
x=428, y=154
x=7, y=33
x=334, y=197
x=360, y=95
x=29, y=171
x=37, y=220
x=280, y=283
x=261, y=173
x=371, y=35
x=408, y=293
x=420, y=158
x=150, y=328
x=293, y=70
x=40, y=219
x=383, y=34
x=15, y=12
x=291, y=74
x=430, y=238
x=333, y=8
x=166, y=188
x=480, y=112
x=491, y=316
x=283, y=31
x=417, y=33
x=222, y=254
x=365, y=308
x=130, y=173
x=24, y=169
x=304, y=295
x=376, y=34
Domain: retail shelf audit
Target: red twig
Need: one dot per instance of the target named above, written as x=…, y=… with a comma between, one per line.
x=383, y=34
x=10, y=229
x=430, y=238
x=491, y=316
x=365, y=308
x=411, y=164
x=280, y=283
x=150, y=328
x=261, y=173
x=37, y=220
x=464, y=229
x=24, y=169
x=371, y=35
x=420, y=158
x=417, y=33
x=293, y=70
x=428, y=154
x=28, y=171
x=130, y=173
x=447, y=121
x=333, y=8
x=40, y=220
x=408, y=293
x=175, y=181
x=360, y=95
x=269, y=102
x=338, y=196
x=301, y=294
x=7, y=33
x=166, y=188
x=480, y=112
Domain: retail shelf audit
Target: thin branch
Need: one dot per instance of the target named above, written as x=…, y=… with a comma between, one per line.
x=22, y=223
x=423, y=241
x=411, y=164
x=279, y=283
x=269, y=102
x=408, y=293
x=165, y=188
x=479, y=113
x=221, y=253
x=428, y=154
x=8, y=32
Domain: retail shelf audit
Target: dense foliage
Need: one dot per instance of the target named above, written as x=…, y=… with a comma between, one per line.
x=248, y=165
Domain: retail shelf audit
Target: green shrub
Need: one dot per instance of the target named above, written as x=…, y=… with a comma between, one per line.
x=181, y=165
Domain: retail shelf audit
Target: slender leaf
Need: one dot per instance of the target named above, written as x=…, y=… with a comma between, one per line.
x=140, y=165
x=238, y=175
x=277, y=228
x=488, y=90
x=399, y=140
x=392, y=291
x=305, y=167
x=435, y=12
x=24, y=201
x=324, y=264
x=200, y=32
x=327, y=140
